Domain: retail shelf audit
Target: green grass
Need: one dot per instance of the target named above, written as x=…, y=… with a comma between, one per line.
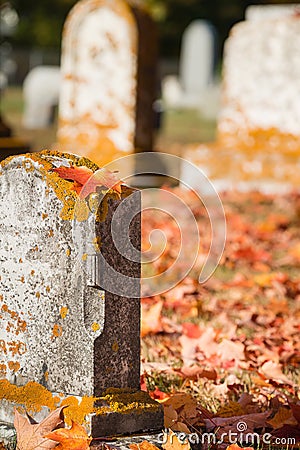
x=179, y=126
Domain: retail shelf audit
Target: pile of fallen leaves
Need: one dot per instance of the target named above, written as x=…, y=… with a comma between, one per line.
x=51, y=433
x=229, y=351
x=226, y=353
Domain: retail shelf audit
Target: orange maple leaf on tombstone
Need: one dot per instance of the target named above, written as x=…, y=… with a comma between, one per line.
x=86, y=181
x=74, y=438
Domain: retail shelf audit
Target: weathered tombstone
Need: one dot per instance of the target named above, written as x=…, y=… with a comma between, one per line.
x=63, y=339
x=196, y=68
x=263, y=12
x=41, y=92
x=262, y=84
x=108, y=80
x=258, y=142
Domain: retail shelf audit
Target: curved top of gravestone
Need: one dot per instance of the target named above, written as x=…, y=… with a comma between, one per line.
x=50, y=317
x=97, y=106
x=261, y=78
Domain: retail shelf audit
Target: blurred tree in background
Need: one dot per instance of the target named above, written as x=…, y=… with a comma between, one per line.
x=41, y=21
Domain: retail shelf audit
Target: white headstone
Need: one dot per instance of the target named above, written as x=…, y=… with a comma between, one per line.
x=197, y=58
x=41, y=92
x=263, y=12
x=262, y=83
x=258, y=141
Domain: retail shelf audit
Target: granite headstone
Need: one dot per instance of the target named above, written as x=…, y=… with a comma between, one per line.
x=65, y=339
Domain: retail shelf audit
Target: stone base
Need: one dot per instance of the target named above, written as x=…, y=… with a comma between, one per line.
x=122, y=412
x=119, y=412
x=269, y=170
x=118, y=424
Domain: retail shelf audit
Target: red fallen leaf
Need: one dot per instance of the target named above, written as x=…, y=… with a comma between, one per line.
x=86, y=181
x=80, y=174
x=251, y=255
x=157, y=394
x=101, y=177
x=191, y=330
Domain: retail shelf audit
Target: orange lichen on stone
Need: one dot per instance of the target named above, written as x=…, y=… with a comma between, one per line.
x=38, y=295
x=62, y=188
x=81, y=210
x=48, y=288
x=3, y=370
x=32, y=396
x=20, y=260
x=16, y=348
x=44, y=216
x=95, y=326
x=84, y=257
x=78, y=410
x=115, y=347
x=18, y=325
x=56, y=331
x=32, y=272
x=3, y=348
x=14, y=366
x=126, y=401
x=64, y=312
x=68, y=252
x=51, y=233
x=257, y=139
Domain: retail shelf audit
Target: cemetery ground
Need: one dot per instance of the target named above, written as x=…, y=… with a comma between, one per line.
x=223, y=356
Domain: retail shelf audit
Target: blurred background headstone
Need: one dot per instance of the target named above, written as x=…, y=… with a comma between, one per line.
x=258, y=143
x=109, y=55
x=196, y=80
x=41, y=93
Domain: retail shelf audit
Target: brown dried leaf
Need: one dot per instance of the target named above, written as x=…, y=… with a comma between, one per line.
x=283, y=416
x=31, y=435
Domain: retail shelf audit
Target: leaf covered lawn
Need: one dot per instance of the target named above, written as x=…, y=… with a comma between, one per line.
x=229, y=350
